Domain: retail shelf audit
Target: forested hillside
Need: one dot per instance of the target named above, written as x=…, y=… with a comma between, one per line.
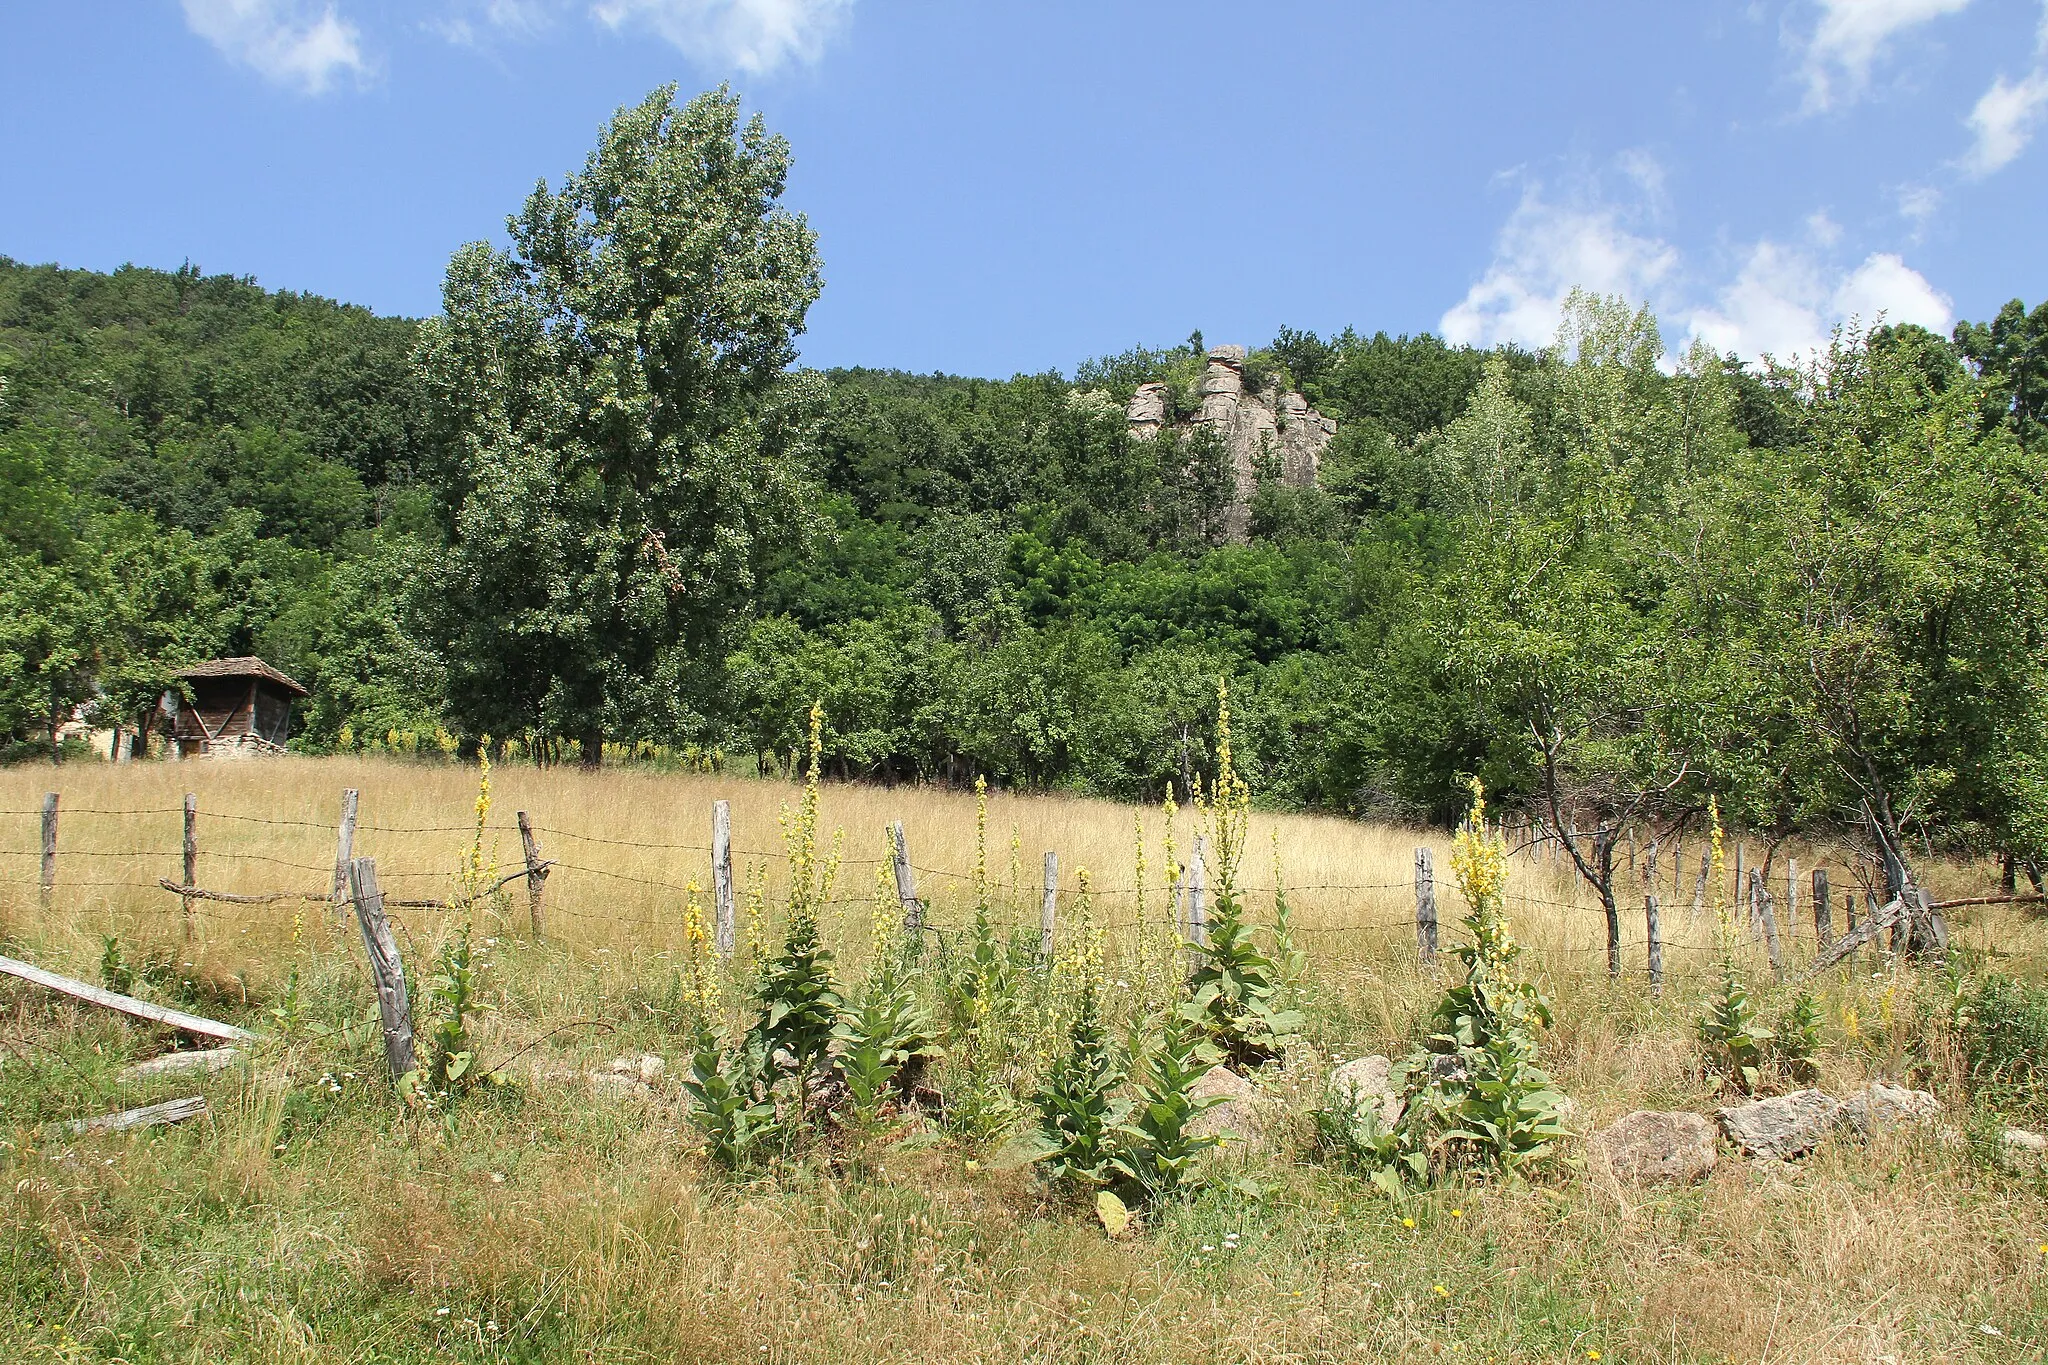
x=1574, y=568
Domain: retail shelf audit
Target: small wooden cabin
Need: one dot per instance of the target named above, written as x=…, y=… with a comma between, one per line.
x=240, y=708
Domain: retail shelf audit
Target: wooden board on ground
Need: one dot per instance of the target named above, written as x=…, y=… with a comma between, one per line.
x=140, y=1009
x=149, y=1116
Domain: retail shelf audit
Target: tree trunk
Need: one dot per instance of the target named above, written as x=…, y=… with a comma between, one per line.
x=592, y=745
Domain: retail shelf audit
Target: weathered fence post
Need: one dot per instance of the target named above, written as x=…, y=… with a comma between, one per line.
x=1198, y=909
x=1699, y=888
x=1050, y=906
x=1792, y=898
x=1760, y=901
x=344, y=848
x=48, y=884
x=387, y=972
x=722, y=934
x=1425, y=904
x=1849, y=915
x=1652, y=926
x=1823, y=913
x=906, y=882
x=536, y=873
x=191, y=857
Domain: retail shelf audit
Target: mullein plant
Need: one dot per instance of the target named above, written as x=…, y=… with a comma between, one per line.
x=799, y=1002
x=1736, y=1041
x=883, y=1043
x=1234, y=989
x=1477, y=1091
x=1078, y=1112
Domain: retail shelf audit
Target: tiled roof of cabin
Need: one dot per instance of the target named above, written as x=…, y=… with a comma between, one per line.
x=248, y=666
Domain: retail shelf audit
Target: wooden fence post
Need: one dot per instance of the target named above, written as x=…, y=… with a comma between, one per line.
x=722, y=934
x=906, y=882
x=387, y=972
x=1760, y=902
x=1425, y=905
x=47, y=886
x=1198, y=909
x=191, y=857
x=1050, y=906
x=536, y=874
x=1823, y=913
x=1792, y=898
x=344, y=848
x=1652, y=926
x=1699, y=887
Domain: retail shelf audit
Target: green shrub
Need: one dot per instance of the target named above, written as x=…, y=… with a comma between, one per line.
x=2004, y=1034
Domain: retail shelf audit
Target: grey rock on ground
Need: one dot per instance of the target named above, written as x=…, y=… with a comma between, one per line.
x=1782, y=1126
x=1233, y=1117
x=1369, y=1079
x=1657, y=1147
x=2020, y=1140
x=1879, y=1106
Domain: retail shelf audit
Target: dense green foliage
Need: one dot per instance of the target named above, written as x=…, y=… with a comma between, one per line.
x=592, y=503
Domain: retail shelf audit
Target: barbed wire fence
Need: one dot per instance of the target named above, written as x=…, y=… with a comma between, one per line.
x=1181, y=897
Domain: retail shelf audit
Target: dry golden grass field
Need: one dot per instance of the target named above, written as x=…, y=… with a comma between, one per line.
x=310, y=1216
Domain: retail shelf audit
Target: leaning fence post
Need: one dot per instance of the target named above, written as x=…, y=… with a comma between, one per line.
x=1049, y=907
x=1652, y=926
x=536, y=872
x=721, y=878
x=1760, y=904
x=344, y=848
x=48, y=884
x=906, y=881
x=191, y=857
x=1198, y=910
x=1425, y=905
x=387, y=972
x=1823, y=913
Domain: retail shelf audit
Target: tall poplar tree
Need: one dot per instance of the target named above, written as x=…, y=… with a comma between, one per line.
x=620, y=442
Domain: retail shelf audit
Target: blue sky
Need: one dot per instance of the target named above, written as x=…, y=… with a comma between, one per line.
x=1004, y=187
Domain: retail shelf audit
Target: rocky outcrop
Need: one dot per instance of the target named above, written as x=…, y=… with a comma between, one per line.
x=1783, y=1126
x=1651, y=1147
x=1253, y=427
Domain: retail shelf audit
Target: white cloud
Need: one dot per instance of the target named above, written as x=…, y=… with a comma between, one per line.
x=1783, y=299
x=2004, y=121
x=753, y=36
x=1852, y=35
x=288, y=42
x=1543, y=251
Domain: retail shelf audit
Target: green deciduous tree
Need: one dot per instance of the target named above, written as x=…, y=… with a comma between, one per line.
x=623, y=443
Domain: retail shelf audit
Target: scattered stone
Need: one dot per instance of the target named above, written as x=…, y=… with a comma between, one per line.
x=1654, y=1147
x=1879, y=1106
x=1231, y=1118
x=647, y=1068
x=2020, y=1140
x=611, y=1085
x=1782, y=1126
x=1369, y=1078
x=175, y=1063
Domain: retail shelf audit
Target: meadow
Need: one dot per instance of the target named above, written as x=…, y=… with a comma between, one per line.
x=311, y=1216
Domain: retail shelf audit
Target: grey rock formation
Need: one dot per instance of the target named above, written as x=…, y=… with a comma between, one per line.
x=2020, y=1140
x=1878, y=1106
x=1369, y=1080
x=1253, y=427
x=1783, y=1126
x=1652, y=1147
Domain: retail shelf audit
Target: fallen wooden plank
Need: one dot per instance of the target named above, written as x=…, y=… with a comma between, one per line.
x=170, y=1111
x=175, y=1063
x=140, y=1009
